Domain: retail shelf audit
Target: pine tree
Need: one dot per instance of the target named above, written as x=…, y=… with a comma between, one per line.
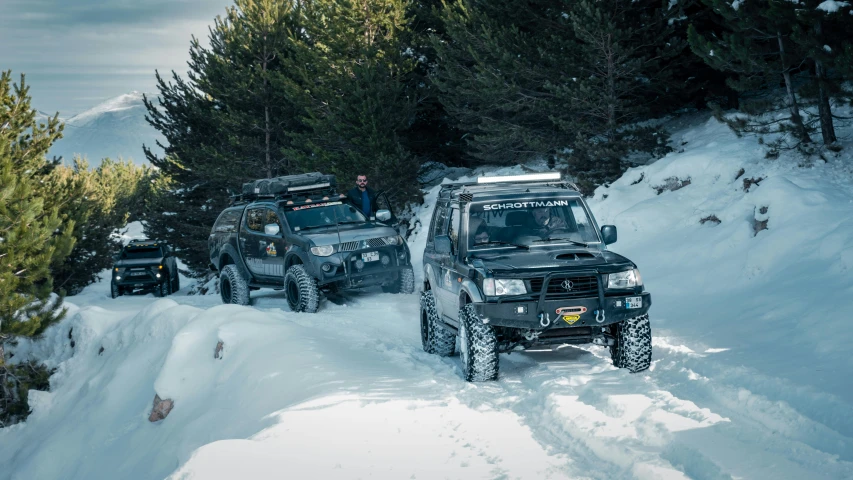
x=354, y=79
x=757, y=47
x=226, y=125
x=104, y=198
x=33, y=233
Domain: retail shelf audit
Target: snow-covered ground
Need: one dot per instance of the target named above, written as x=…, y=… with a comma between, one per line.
x=751, y=373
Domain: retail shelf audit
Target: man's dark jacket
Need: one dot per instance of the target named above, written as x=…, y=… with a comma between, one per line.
x=354, y=196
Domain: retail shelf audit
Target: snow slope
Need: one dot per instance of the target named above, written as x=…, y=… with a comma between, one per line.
x=115, y=128
x=750, y=378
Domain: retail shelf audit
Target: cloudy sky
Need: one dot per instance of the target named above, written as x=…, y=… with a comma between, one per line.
x=77, y=53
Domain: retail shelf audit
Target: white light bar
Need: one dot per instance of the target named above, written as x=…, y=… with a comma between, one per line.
x=533, y=177
x=307, y=187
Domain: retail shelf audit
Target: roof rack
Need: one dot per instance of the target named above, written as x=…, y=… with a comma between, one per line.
x=305, y=187
x=486, y=183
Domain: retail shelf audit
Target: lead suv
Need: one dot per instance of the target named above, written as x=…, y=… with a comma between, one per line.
x=518, y=262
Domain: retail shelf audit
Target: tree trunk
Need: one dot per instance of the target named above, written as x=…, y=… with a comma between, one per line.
x=266, y=112
x=827, y=129
x=799, y=128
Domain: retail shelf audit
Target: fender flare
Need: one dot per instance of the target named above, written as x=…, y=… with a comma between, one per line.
x=304, y=260
x=472, y=291
x=238, y=260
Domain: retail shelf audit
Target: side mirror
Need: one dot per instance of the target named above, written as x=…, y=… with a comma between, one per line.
x=442, y=244
x=383, y=215
x=271, y=229
x=608, y=234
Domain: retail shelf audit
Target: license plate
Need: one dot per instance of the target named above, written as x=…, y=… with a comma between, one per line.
x=633, y=302
x=137, y=274
x=370, y=256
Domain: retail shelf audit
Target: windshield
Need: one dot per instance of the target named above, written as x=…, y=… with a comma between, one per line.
x=131, y=253
x=532, y=222
x=322, y=214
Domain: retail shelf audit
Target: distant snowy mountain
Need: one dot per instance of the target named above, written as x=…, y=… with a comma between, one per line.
x=115, y=128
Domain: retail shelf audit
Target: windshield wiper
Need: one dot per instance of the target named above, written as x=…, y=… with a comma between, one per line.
x=580, y=244
x=526, y=247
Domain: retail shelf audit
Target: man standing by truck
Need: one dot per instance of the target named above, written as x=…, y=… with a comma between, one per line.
x=363, y=197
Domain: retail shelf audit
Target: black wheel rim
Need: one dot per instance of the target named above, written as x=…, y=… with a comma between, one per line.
x=292, y=295
x=225, y=290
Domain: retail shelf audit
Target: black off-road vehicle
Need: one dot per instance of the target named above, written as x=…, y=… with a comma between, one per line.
x=298, y=234
x=145, y=266
x=518, y=262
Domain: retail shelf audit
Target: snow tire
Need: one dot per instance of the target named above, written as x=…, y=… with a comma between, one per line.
x=633, y=348
x=115, y=290
x=478, y=347
x=405, y=283
x=301, y=290
x=434, y=337
x=177, y=284
x=232, y=286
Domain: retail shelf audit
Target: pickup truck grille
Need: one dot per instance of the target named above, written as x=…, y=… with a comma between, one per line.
x=371, y=243
x=578, y=287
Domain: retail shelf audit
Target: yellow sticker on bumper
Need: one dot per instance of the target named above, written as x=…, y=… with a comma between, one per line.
x=571, y=319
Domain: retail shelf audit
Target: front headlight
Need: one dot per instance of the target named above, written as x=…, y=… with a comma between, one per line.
x=323, y=250
x=393, y=240
x=626, y=279
x=503, y=286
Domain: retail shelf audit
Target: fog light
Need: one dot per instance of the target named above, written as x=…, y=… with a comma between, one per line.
x=118, y=277
x=327, y=267
x=521, y=310
x=401, y=254
x=359, y=264
x=158, y=275
x=385, y=260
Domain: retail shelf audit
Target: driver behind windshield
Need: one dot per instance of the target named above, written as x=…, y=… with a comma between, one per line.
x=545, y=222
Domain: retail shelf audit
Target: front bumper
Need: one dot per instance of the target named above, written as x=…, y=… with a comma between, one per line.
x=532, y=314
x=356, y=270
x=147, y=279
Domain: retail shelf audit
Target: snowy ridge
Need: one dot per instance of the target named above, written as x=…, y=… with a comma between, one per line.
x=115, y=128
x=749, y=378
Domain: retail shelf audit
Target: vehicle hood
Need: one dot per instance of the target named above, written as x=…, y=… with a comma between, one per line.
x=348, y=233
x=539, y=261
x=138, y=262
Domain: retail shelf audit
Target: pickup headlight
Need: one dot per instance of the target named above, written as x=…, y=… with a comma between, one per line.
x=497, y=286
x=323, y=250
x=626, y=279
x=393, y=240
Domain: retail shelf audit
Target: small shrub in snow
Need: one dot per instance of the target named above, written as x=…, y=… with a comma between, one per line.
x=217, y=352
x=672, y=184
x=642, y=176
x=710, y=218
x=749, y=182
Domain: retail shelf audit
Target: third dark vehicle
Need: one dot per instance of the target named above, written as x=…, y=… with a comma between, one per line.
x=145, y=266
x=297, y=233
x=519, y=262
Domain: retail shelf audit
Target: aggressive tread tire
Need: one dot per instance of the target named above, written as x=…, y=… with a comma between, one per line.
x=478, y=347
x=633, y=348
x=435, y=339
x=301, y=290
x=115, y=290
x=233, y=287
x=405, y=283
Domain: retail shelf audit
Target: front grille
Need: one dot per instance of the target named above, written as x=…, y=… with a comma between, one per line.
x=349, y=246
x=376, y=242
x=581, y=286
x=358, y=245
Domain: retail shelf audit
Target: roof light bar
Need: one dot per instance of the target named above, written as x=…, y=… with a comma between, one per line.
x=533, y=177
x=308, y=187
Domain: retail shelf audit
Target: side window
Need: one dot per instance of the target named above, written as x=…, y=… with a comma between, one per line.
x=272, y=219
x=454, y=227
x=255, y=219
x=227, y=222
x=382, y=203
x=438, y=220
